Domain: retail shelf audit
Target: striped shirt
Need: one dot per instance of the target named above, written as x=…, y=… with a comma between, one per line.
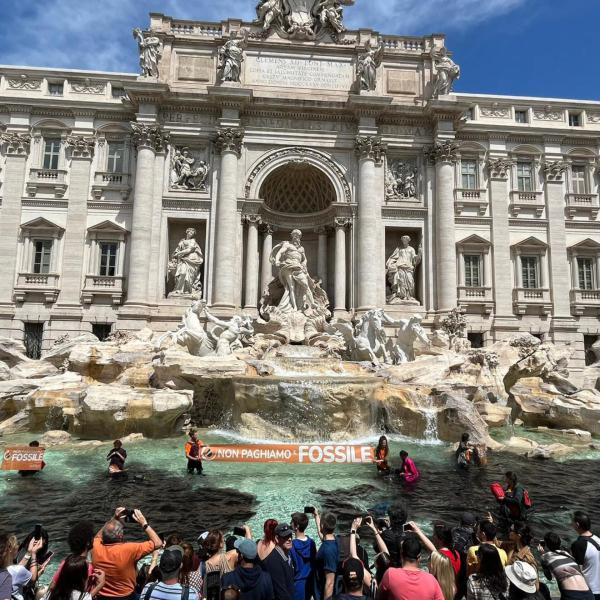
x=168, y=592
x=562, y=566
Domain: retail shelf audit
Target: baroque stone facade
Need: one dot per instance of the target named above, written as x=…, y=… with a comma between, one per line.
x=244, y=132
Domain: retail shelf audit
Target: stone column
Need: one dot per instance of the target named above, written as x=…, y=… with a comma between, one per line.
x=71, y=281
x=370, y=151
x=322, y=257
x=17, y=150
x=266, y=268
x=445, y=156
x=229, y=145
x=149, y=139
x=252, y=261
x=340, y=263
x=499, y=170
x=559, y=262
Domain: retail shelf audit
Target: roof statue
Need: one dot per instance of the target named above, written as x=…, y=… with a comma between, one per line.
x=303, y=19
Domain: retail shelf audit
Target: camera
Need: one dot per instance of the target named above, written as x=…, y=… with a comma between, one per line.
x=239, y=531
x=309, y=510
x=37, y=532
x=127, y=515
x=407, y=527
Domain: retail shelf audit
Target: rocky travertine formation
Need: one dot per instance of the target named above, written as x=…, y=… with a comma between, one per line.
x=129, y=384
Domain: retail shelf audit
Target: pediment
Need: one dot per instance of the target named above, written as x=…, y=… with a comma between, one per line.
x=107, y=226
x=41, y=223
x=587, y=244
x=474, y=240
x=531, y=242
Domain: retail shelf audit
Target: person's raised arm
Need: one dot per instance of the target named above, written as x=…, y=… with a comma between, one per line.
x=318, y=524
x=354, y=552
x=31, y=557
x=100, y=581
x=248, y=531
x=152, y=535
x=424, y=539
x=381, y=545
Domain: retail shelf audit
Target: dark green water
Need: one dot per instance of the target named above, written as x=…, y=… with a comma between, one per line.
x=74, y=486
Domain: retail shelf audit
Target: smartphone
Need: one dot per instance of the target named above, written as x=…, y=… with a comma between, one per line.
x=309, y=510
x=239, y=531
x=128, y=513
x=46, y=559
x=369, y=520
x=37, y=532
x=406, y=527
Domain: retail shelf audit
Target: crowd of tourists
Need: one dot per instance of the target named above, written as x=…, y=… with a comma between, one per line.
x=381, y=556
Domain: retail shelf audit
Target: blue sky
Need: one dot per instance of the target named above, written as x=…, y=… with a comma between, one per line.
x=516, y=47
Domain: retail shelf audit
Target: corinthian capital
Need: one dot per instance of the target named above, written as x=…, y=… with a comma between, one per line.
x=554, y=169
x=16, y=143
x=342, y=222
x=229, y=139
x=443, y=152
x=499, y=168
x=370, y=147
x=81, y=146
x=151, y=136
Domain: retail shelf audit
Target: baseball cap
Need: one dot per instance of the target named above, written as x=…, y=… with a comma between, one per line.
x=246, y=547
x=467, y=519
x=283, y=530
x=170, y=561
x=523, y=576
x=353, y=572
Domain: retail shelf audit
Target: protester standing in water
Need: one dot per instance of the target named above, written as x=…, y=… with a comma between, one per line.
x=116, y=457
x=193, y=453
x=408, y=471
x=381, y=454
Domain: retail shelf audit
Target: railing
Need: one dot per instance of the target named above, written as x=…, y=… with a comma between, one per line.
x=582, y=203
x=115, y=182
x=38, y=280
x=532, y=296
x=527, y=200
x=585, y=296
x=474, y=293
x=52, y=176
x=404, y=44
x=201, y=29
x=103, y=286
x=468, y=197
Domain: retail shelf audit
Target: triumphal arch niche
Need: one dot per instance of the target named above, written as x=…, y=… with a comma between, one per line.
x=304, y=189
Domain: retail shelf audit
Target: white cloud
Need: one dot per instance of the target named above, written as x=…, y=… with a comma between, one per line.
x=96, y=34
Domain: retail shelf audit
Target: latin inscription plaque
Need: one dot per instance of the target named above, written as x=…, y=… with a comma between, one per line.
x=301, y=73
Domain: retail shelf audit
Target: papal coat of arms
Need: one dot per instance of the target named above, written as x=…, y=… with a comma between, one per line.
x=303, y=19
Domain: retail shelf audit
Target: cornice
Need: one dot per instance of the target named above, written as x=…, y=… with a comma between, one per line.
x=582, y=225
x=487, y=221
x=37, y=203
x=109, y=205
x=398, y=212
x=538, y=223
x=187, y=205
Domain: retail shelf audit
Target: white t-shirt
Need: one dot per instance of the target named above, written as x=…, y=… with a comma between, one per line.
x=76, y=595
x=20, y=578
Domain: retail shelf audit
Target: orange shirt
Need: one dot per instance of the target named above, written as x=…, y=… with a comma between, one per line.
x=188, y=448
x=118, y=561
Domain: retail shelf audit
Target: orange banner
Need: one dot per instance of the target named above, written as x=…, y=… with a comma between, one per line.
x=290, y=453
x=22, y=458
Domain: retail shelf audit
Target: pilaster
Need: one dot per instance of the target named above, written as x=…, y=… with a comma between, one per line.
x=16, y=147
x=228, y=144
x=81, y=149
x=444, y=155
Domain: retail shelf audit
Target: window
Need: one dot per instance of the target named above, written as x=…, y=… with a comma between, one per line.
x=476, y=339
x=116, y=155
x=42, y=256
x=472, y=270
x=108, y=259
x=585, y=273
x=118, y=92
x=51, y=154
x=524, y=177
x=33, y=336
x=530, y=272
x=574, y=119
x=521, y=116
x=469, y=174
x=579, y=179
x=102, y=330
x=470, y=114
x=56, y=89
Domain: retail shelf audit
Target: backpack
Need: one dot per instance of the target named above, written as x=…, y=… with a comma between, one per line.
x=185, y=592
x=527, y=502
x=5, y=584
